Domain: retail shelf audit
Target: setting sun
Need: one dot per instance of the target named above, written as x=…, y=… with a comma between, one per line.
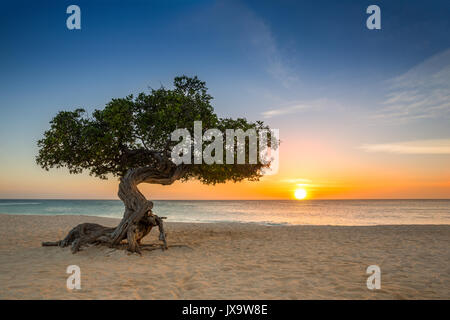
x=300, y=194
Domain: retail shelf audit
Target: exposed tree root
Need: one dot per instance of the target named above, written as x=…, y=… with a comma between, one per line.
x=92, y=233
x=152, y=247
x=138, y=218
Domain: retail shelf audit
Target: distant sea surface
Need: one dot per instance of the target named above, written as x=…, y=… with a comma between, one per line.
x=268, y=212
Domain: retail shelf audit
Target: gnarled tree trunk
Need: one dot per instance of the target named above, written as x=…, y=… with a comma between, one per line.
x=138, y=218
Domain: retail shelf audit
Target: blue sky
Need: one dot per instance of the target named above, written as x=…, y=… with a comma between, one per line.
x=309, y=68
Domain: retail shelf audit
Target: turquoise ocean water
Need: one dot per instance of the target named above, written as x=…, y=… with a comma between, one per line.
x=307, y=212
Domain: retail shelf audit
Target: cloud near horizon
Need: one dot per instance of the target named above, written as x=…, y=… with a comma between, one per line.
x=435, y=146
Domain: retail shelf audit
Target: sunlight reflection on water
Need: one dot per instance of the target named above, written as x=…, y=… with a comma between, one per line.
x=307, y=212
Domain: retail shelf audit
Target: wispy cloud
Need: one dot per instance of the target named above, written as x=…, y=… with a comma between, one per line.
x=286, y=110
x=436, y=146
x=264, y=41
x=296, y=107
x=260, y=38
x=422, y=92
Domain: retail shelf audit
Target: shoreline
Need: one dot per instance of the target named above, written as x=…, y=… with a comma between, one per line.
x=269, y=224
x=228, y=260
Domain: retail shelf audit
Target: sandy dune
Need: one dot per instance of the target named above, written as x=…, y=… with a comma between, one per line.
x=228, y=261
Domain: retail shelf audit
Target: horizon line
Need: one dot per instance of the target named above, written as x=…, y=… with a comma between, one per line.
x=331, y=199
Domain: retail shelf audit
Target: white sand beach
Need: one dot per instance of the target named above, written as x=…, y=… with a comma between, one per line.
x=228, y=261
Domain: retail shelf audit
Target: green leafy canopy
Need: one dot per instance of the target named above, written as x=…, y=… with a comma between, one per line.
x=130, y=132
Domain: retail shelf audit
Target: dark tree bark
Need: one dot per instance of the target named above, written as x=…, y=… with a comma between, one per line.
x=138, y=218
